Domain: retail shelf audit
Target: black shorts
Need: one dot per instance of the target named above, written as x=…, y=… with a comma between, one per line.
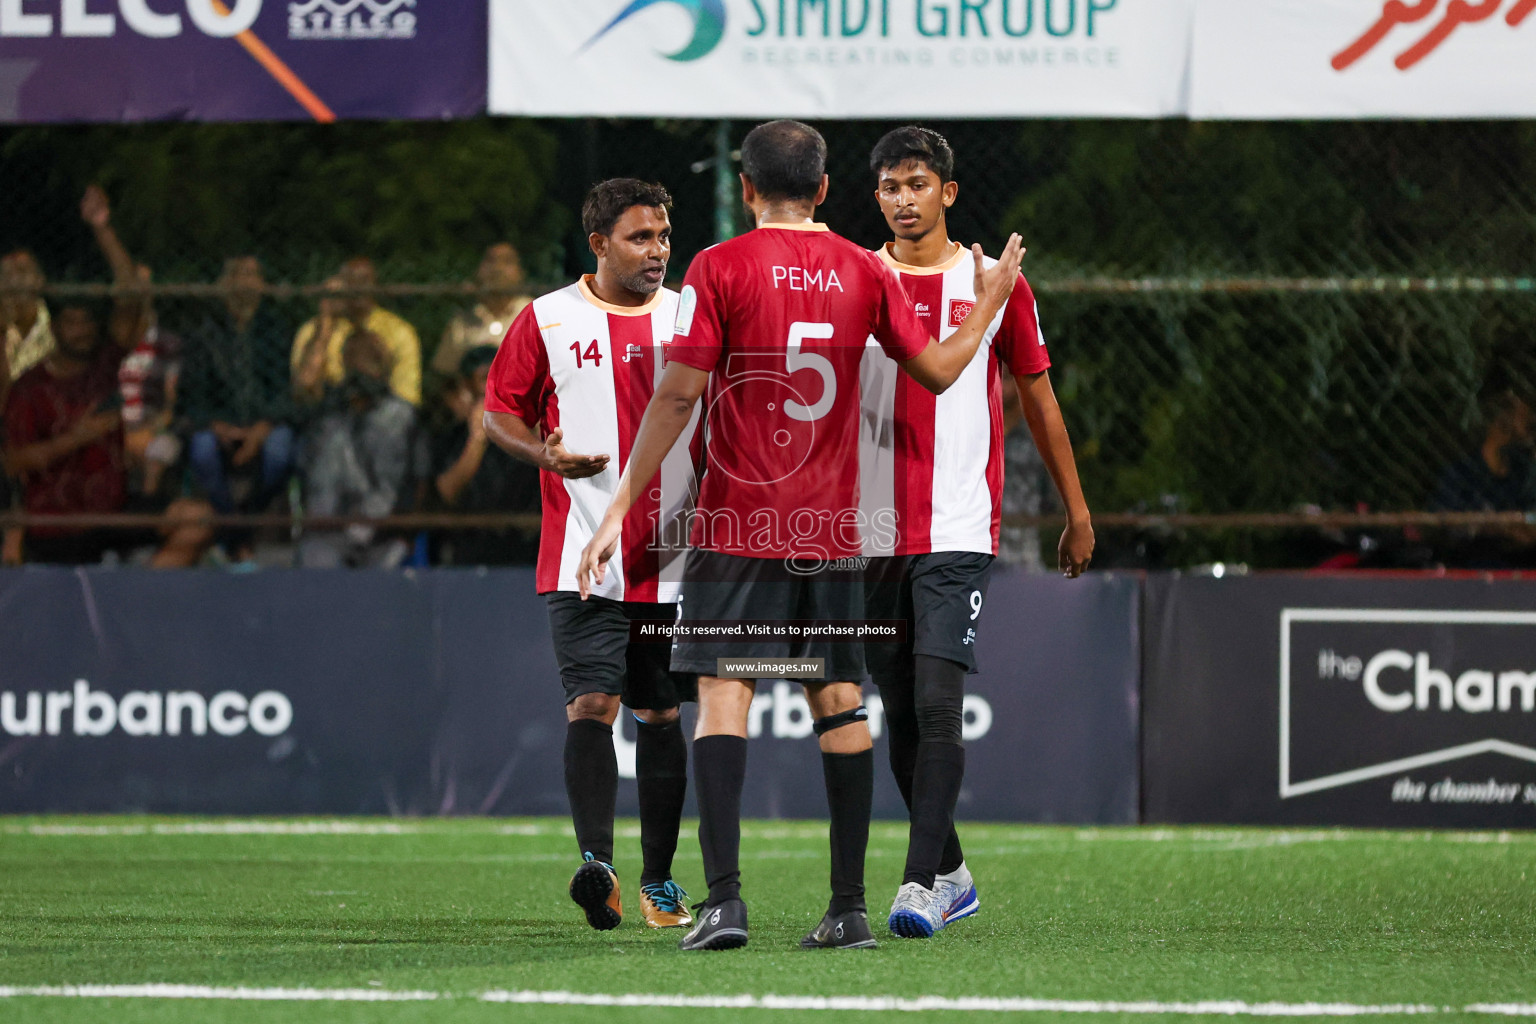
x=731, y=588
x=595, y=654
x=940, y=595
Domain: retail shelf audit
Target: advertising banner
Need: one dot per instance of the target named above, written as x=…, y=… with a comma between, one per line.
x=840, y=58
x=240, y=60
x=437, y=693
x=1364, y=59
x=1381, y=702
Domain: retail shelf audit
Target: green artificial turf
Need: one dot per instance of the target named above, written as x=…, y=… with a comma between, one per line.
x=465, y=906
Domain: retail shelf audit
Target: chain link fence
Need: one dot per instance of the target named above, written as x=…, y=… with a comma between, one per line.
x=1247, y=320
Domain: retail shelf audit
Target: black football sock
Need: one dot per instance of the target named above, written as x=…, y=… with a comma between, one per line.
x=850, y=782
x=900, y=717
x=939, y=711
x=901, y=732
x=953, y=855
x=935, y=789
x=591, y=785
x=661, y=769
x=719, y=772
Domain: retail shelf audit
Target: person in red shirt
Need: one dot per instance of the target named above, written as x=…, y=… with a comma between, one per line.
x=64, y=437
x=947, y=510
x=772, y=326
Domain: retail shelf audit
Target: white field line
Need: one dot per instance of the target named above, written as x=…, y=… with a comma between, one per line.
x=973, y=1004
x=862, y=1004
x=286, y=995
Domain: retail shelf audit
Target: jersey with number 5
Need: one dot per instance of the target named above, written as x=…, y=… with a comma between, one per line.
x=575, y=362
x=780, y=316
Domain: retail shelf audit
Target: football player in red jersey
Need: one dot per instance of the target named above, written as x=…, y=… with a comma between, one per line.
x=947, y=513
x=577, y=368
x=773, y=325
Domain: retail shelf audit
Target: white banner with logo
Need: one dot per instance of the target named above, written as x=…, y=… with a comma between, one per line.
x=841, y=58
x=1364, y=59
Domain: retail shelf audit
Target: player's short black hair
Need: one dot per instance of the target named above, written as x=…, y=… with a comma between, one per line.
x=913, y=144
x=784, y=160
x=607, y=200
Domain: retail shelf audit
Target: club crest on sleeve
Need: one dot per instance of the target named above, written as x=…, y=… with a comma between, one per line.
x=959, y=309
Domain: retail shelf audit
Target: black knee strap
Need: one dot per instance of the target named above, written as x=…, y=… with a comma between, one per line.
x=842, y=718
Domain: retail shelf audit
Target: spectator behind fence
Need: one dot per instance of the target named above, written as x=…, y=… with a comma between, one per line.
x=235, y=392
x=365, y=457
x=358, y=312
x=64, y=436
x=25, y=338
x=471, y=475
x=149, y=373
x=1500, y=474
x=24, y=319
x=501, y=298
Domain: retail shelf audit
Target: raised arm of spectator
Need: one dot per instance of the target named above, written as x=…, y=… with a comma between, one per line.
x=130, y=312
x=96, y=211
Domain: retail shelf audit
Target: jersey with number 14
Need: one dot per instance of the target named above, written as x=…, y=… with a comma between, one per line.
x=780, y=316
x=936, y=461
x=573, y=361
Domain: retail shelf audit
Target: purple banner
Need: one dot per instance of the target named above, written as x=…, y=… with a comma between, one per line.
x=241, y=60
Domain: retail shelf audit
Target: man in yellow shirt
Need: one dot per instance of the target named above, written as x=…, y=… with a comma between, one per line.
x=330, y=333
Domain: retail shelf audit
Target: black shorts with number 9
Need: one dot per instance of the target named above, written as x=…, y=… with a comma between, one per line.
x=940, y=595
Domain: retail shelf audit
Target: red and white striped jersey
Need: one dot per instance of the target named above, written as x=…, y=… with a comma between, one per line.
x=573, y=361
x=934, y=463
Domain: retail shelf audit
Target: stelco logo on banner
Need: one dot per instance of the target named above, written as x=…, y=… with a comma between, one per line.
x=1372, y=694
x=311, y=19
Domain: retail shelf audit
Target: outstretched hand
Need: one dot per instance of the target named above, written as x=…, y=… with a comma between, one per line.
x=568, y=464
x=994, y=286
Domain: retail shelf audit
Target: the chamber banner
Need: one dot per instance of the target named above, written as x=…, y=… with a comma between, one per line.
x=1382, y=702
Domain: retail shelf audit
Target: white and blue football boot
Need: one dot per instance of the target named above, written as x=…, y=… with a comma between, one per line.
x=956, y=894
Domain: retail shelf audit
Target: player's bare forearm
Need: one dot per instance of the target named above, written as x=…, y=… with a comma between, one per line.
x=665, y=419
x=1046, y=426
x=516, y=438
x=1049, y=430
